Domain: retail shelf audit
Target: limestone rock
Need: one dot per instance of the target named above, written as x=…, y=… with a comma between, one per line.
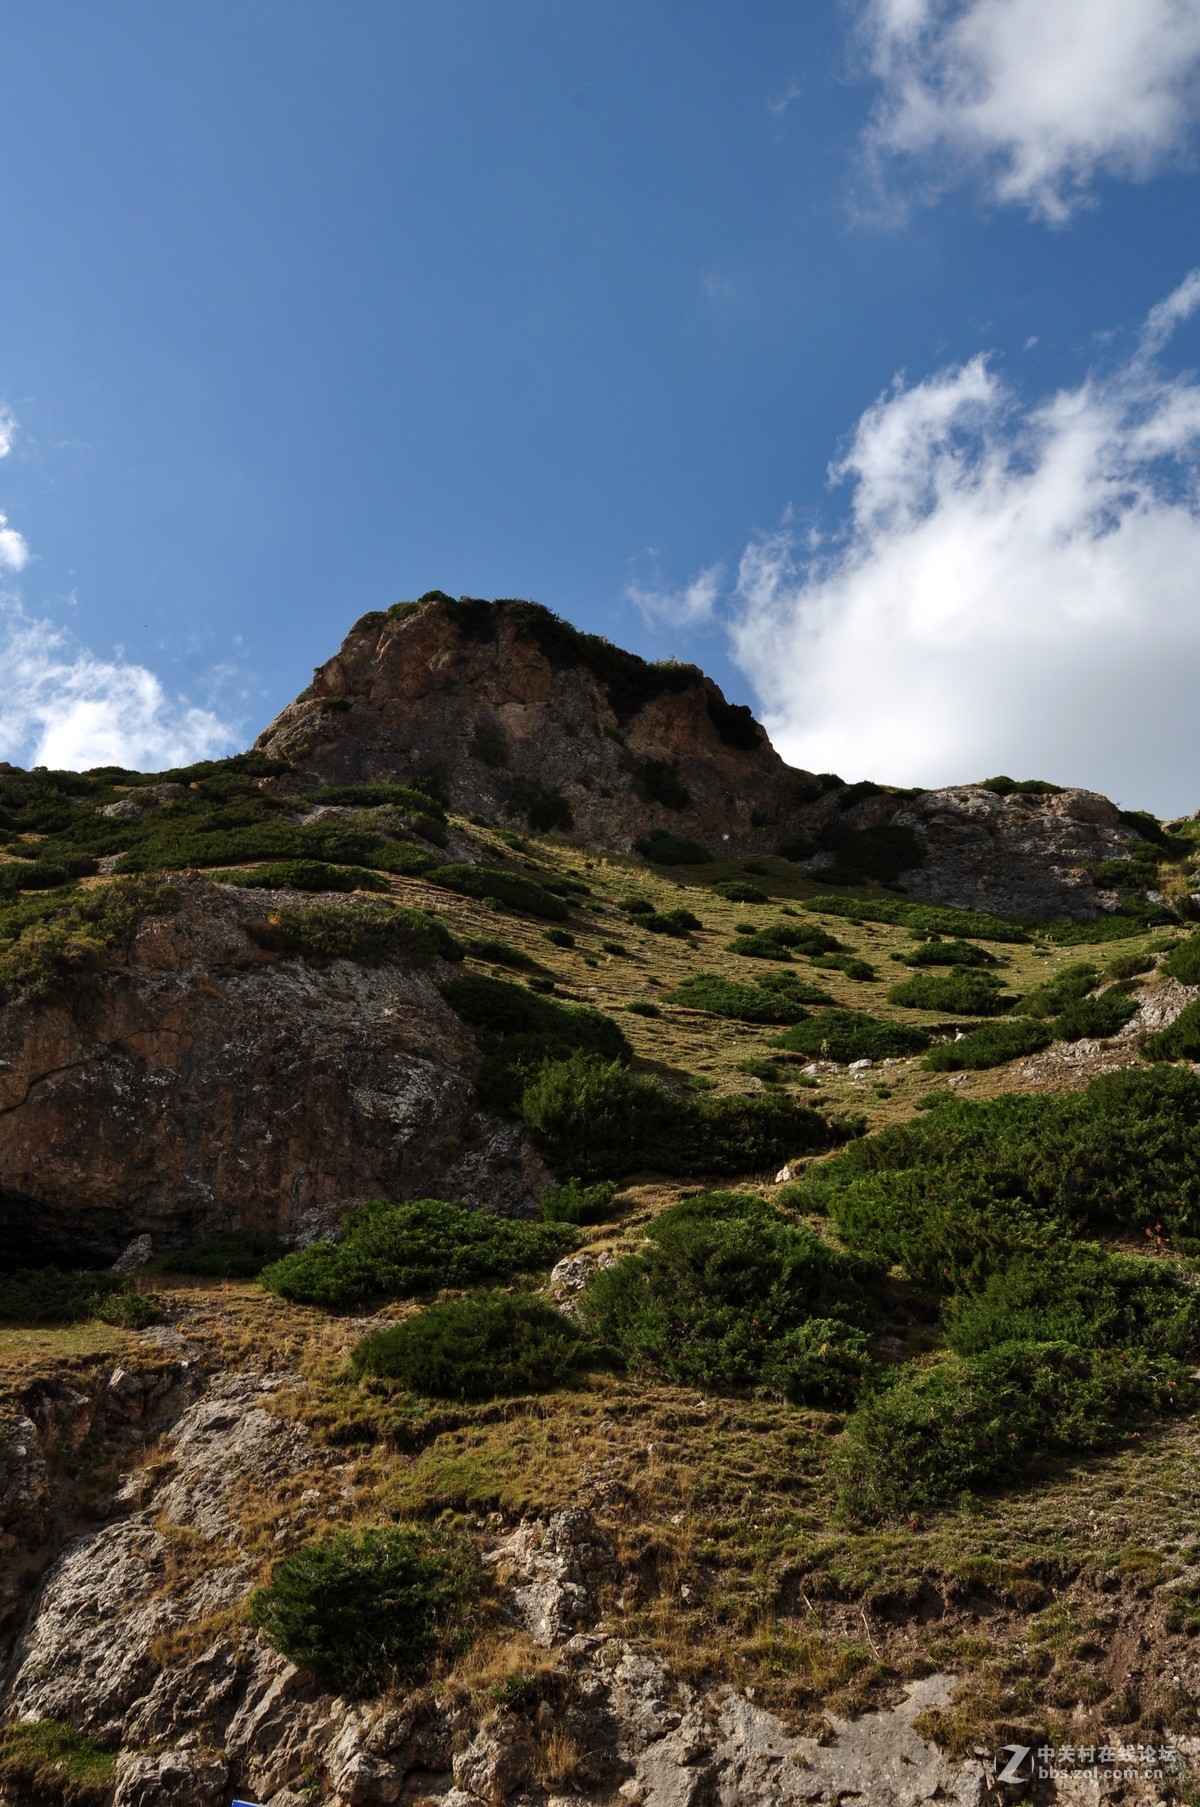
x=224, y=1086
x=171, y=1778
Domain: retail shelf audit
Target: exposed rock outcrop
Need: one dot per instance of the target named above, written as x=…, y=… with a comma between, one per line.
x=518, y=716
x=222, y=1085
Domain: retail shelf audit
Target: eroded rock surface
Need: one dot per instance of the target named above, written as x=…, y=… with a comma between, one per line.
x=222, y=1085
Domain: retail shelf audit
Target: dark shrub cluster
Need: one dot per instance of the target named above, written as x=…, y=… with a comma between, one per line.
x=1066, y=987
x=780, y=940
x=990, y=1045
x=728, y=1293
x=1183, y=961
x=862, y=854
x=963, y=991
x=50, y=946
x=594, y=1118
x=845, y=1035
x=579, y=1204
x=511, y=889
x=53, y=1295
x=931, y=919
x=736, y=890
x=936, y=952
x=227, y=1255
x=663, y=848
x=1180, y=1040
x=367, y=1609
x=518, y=1031
x=304, y=875
x=778, y=998
x=370, y=934
x=679, y=923
x=399, y=1250
x=487, y=1346
x=1095, y=1017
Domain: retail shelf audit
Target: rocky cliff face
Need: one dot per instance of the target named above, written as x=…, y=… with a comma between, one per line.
x=518, y=716
x=203, y=1081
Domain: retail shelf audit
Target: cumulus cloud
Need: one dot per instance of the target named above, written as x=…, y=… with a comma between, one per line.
x=1014, y=587
x=691, y=606
x=1036, y=97
x=65, y=708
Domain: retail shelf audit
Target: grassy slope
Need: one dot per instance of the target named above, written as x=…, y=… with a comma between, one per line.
x=1037, y=1597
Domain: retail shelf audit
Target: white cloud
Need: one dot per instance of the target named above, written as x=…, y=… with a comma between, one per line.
x=65, y=708
x=1016, y=588
x=1039, y=96
x=14, y=553
x=692, y=606
x=8, y=430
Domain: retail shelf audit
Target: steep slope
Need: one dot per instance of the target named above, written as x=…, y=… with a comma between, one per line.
x=515, y=716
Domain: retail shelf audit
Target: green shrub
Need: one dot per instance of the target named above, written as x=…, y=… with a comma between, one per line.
x=1097, y=1017
x=735, y=890
x=1129, y=966
x=401, y=1250
x=643, y=1007
x=596, y=1119
x=370, y=934
x=1023, y=787
x=518, y=1031
x=727, y=1293
x=780, y=940
x=1066, y=987
x=50, y=947
x=1120, y=925
x=366, y=1609
x=936, y=952
x=579, y=1204
x=1180, y=1040
x=227, y=1255
x=962, y=990
x=969, y=1423
x=404, y=797
x=666, y=849
x=558, y=937
x=53, y=1295
x=755, y=1003
x=304, y=875
x=991, y=1045
x=636, y=906
x=616, y=948
x=960, y=1191
x=932, y=919
x=487, y=1346
x=845, y=1035
x=482, y=947
x=1183, y=961
x=679, y=923
x=851, y=964
x=512, y=890
x=1076, y=1292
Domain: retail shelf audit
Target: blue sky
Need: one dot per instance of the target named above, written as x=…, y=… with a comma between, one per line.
x=307, y=307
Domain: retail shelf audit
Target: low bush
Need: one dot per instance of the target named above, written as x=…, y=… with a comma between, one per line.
x=1129, y=966
x=1183, y=961
x=962, y=990
x=735, y=890
x=932, y=919
x=487, y=1346
x=753, y=1003
x=370, y=934
x=304, y=875
x=779, y=940
x=227, y=1255
x=936, y=952
x=595, y=1118
x=845, y=1035
x=499, y=953
x=558, y=937
x=616, y=948
x=1076, y=1292
x=1066, y=987
x=519, y=1030
x=53, y=1295
x=1180, y=1040
x=51, y=947
x=679, y=923
x=663, y=848
x=579, y=1204
x=1095, y=1017
x=401, y=1250
x=511, y=889
x=964, y=1189
x=974, y=1422
x=1120, y=925
x=636, y=906
x=991, y=1045
x=643, y=1007
x=404, y=797
x=728, y=1293
x=366, y=1609
x=852, y=965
